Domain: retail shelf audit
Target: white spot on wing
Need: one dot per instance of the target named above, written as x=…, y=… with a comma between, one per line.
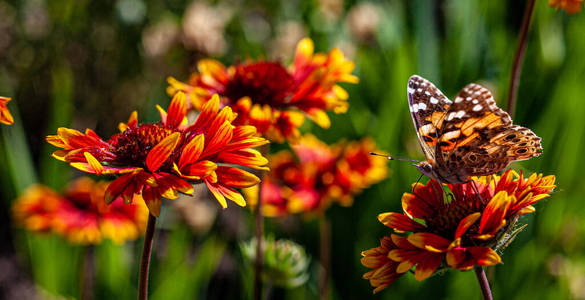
x=435, y=101
x=468, y=99
x=450, y=116
x=415, y=107
x=410, y=90
x=458, y=99
x=477, y=107
x=474, y=101
x=422, y=106
x=460, y=114
x=419, y=90
x=427, y=93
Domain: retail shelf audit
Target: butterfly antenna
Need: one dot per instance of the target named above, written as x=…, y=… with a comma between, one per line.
x=394, y=158
x=412, y=189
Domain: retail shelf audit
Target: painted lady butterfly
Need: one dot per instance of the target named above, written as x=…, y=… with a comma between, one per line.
x=470, y=136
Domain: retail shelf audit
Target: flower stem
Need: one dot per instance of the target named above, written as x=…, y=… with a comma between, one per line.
x=483, y=283
x=324, y=253
x=145, y=259
x=259, y=232
x=259, y=257
x=86, y=274
x=519, y=57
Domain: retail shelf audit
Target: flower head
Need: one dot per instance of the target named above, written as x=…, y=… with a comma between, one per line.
x=5, y=116
x=462, y=230
x=570, y=6
x=161, y=159
x=317, y=175
x=80, y=213
x=272, y=97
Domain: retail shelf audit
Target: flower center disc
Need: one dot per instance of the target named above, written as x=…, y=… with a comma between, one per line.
x=132, y=146
x=264, y=82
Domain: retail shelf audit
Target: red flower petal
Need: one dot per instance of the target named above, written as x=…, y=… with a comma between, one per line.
x=399, y=222
x=492, y=218
x=429, y=241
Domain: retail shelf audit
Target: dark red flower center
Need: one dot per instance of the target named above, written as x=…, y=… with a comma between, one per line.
x=264, y=82
x=445, y=222
x=132, y=146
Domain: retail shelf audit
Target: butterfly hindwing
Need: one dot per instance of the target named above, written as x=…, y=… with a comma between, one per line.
x=427, y=107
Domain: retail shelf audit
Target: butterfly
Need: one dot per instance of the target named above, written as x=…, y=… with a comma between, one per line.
x=469, y=136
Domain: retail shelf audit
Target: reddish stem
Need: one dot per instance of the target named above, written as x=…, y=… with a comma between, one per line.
x=325, y=257
x=519, y=58
x=483, y=283
x=145, y=259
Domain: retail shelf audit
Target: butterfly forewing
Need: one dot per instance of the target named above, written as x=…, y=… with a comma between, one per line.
x=427, y=107
x=478, y=138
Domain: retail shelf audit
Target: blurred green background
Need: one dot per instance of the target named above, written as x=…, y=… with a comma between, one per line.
x=81, y=63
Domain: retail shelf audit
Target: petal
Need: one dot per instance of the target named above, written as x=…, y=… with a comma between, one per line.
x=466, y=223
x=244, y=157
x=192, y=151
x=208, y=112
x=122, y=186
x=94, y=163
x=492, y=218
x=429, y=241
x=236, y=178
x=177, y=111
x=427, y=266
x=152, y=198
x=198, y=170
x=221, y=137
x=399, y=222
x=161, y=152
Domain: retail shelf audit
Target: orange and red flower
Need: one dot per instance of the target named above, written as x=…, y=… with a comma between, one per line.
x=161, y=159
x=570, y=6
x=460, y=231
x=80, y=213
x=272, y=97
x=5, y=116
x=317, y=175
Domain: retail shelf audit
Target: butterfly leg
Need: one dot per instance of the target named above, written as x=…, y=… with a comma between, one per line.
x=476, y=190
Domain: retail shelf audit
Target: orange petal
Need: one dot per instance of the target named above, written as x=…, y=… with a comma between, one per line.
x=208, y=112
x=161, y=152
x=177, y=110
x=236, y=178
x=221, y=137
x=192, y=151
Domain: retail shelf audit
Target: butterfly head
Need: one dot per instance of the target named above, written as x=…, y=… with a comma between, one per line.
x=426, y=168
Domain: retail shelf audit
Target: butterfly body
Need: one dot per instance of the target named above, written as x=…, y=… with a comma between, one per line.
x=469, y=136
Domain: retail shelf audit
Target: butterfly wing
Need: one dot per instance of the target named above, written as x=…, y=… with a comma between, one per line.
x=427, y=107
x=478, y=138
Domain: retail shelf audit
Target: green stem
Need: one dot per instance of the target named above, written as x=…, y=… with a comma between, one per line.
x=145, y=259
